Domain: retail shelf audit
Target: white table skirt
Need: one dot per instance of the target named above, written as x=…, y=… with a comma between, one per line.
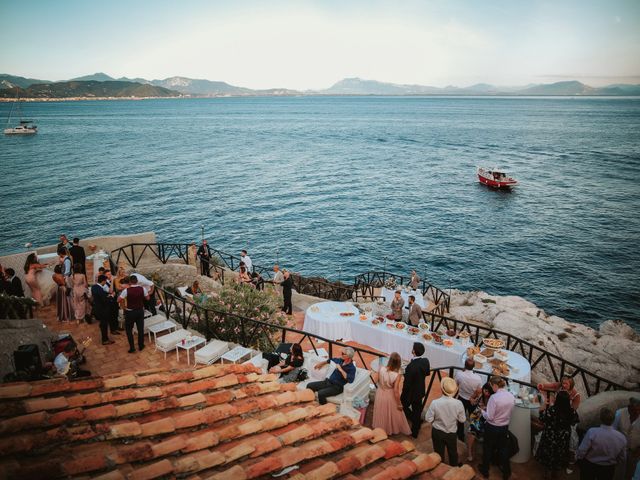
x=389, y=340
x=389, y=294
x=324, y=319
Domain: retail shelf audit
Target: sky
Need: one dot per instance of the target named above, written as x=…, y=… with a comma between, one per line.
x=313, y=44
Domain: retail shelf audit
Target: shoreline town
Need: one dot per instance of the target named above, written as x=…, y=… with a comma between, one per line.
x=150, y=360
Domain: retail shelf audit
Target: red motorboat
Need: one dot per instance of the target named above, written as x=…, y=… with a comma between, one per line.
x=495, y=178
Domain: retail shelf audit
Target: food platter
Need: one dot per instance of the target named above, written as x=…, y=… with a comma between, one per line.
x=502, y=355
x=347, y=314
x=375, y=322
x=400, y=325
x=363, y=318
x=471, y=351
x=494, y=343
x=423, y=326
x=447, y=342
x=436, y=338
x=427, y=336
x=413, y=330
x=464, y=334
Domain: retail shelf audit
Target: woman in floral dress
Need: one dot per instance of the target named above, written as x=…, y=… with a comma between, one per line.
x=553, y=451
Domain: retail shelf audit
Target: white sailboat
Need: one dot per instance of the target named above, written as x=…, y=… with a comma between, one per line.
x=26, y=127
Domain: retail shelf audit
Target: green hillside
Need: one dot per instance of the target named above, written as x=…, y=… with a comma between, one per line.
x=88, y=89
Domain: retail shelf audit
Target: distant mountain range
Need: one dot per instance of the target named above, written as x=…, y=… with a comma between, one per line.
x=103, y=85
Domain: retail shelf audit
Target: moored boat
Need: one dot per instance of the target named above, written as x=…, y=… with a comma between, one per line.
x=495, y=178
x=26, y=127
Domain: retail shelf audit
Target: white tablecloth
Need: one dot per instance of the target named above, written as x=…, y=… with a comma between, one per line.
x=389, y=294
x=520, y=369
x=324, y=319
x=389, y=340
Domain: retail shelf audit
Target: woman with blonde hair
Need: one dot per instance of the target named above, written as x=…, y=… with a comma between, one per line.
x=388, y=413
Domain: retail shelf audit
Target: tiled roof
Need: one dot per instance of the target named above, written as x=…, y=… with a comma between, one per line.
x=217, y=422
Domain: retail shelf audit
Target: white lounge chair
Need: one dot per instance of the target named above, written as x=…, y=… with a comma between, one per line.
x=167, y=343
x=358, y=388
x=211, y=352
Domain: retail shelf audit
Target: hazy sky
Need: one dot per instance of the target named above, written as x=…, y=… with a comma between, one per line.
x=312, y=44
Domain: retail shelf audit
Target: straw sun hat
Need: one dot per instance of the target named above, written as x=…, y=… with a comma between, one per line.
x=449, y=386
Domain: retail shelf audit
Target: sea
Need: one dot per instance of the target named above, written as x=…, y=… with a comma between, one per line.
x=336, y=186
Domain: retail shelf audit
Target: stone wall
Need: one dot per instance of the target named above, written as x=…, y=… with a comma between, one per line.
x=14, y=333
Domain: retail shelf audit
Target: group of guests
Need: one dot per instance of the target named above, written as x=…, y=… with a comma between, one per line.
x=397, y=307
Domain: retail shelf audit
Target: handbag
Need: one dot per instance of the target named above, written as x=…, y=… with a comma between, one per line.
x=512, y=444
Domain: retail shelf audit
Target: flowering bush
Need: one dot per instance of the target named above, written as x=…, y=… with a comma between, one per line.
x=236, y=300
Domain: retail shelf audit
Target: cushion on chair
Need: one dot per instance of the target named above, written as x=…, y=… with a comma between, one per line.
x=211, y=352
x=169, y=341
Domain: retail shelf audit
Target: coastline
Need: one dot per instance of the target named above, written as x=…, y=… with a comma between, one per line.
x=324, y=95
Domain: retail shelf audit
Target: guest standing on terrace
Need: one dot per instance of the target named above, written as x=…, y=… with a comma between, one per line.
x=64, y=243
x=79, y=256
x=497, y=416
x=247, y=261
x=80, y=288
x=396, y=307
x=345, y=372
x=443, y=414
x=204, y=255
x=601, y=449
x=278, y=278
x=287, y=292
x=387, y=409
x=415, y=280
x=102, y=308
x=413, y=388
x=150, y=292
x=32, y=270
x=64, y=310
x=13, y=284
x=132, y=299
x=415, y=311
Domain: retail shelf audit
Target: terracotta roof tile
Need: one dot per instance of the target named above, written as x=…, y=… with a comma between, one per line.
x=219, y=421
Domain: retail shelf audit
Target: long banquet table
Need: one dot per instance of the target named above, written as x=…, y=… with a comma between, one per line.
x=324, y=319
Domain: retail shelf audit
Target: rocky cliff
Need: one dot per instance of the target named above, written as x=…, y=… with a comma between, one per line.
x=612, y=351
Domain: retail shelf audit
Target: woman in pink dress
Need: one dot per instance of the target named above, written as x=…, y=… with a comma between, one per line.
x=31, y=269
x=80, y=287
x=387, y=409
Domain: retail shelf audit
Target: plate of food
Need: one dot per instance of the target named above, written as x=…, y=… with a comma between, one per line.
x=464, y=334
x=479, y=358
x=400, y=325
x=471, y=351
x=502, y=355
x=450, y=333
x=375, y=322
x=413, y=330
x=314, y=308
x=427, y=336
x=363, y=318
x=347, y=314
x=447, y=342
x=494, y=343
x=436, y=338
x=423, y=326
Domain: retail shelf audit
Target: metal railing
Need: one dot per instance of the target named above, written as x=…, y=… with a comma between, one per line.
x=189, y=314
x=363, y=288
x=367, y=282
x=535, y=355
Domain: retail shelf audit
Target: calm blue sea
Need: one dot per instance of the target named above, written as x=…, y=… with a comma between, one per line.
x=338, y=186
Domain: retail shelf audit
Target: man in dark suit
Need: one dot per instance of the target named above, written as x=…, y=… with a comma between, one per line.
x=13, y=285
x=287, y=290
x=413, y=388
x=102, y=307
x=78, y=255
x=204, y=255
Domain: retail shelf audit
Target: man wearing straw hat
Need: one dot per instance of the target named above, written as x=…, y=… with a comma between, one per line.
x=443, y=414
